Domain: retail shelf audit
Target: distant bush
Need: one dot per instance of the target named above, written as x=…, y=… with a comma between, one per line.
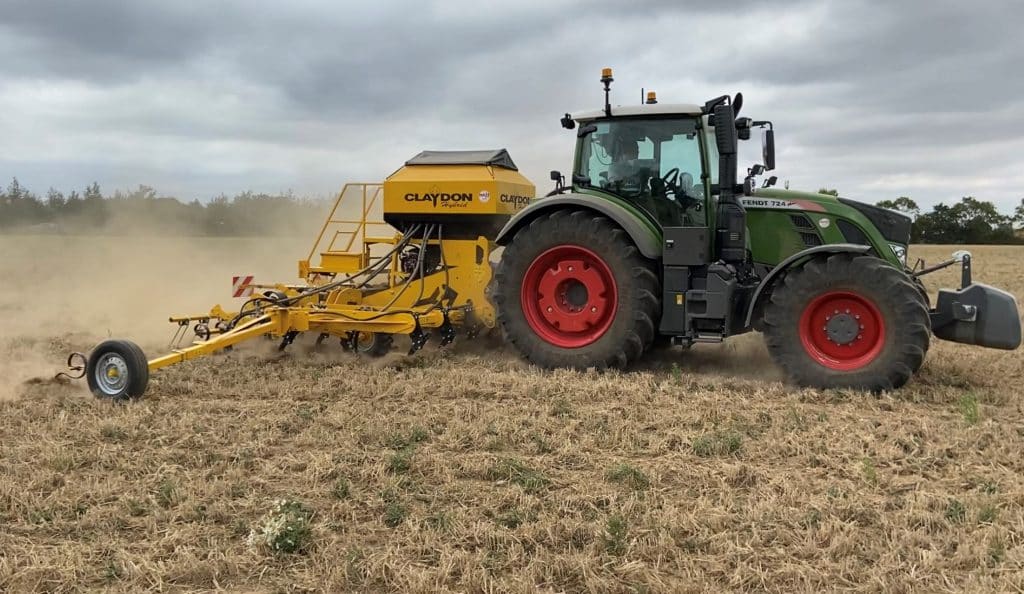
x=143, y=212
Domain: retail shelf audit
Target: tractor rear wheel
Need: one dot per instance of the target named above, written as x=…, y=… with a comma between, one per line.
x=573, y=291
x=847, y=322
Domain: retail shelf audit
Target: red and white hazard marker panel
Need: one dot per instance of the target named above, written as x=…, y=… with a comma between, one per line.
x=241, y=286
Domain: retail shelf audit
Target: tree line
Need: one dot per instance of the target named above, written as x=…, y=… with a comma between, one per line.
x=969, y=221
x=143, y=211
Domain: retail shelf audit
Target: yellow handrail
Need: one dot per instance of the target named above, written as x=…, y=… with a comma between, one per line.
x=342, y=241
x=361, y=222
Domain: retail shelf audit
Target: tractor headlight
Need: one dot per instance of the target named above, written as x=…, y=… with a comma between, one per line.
x=900, y=251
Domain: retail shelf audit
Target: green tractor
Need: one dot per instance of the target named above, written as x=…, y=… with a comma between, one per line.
x=655, y=240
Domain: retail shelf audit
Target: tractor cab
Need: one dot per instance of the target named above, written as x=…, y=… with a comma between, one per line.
x=668, y=162
x=654, y=156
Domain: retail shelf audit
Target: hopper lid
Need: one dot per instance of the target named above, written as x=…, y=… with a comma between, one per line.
x=496, y=158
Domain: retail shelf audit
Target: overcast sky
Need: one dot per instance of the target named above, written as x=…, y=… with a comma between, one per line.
x=878, y=99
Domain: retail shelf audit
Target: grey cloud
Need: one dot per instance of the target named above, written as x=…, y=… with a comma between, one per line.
x=921, y=95
x=102, y=41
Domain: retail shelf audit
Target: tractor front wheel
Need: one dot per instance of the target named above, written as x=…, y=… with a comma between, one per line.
x=847, y=322
x=573, y=291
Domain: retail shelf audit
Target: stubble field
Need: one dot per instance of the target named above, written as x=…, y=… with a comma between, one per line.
x=467, y=470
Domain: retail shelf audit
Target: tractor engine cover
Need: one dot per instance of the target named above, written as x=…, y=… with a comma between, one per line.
x=472, y=193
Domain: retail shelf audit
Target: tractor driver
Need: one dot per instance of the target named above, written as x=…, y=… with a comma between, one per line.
x=636, y=178
x=627, y=173
x=665, y=189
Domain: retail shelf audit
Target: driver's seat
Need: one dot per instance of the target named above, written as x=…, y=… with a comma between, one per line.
x=668, y=211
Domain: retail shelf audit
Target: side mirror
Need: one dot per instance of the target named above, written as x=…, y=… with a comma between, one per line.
x=567, y=122
x=556, y=176
x=768, y=149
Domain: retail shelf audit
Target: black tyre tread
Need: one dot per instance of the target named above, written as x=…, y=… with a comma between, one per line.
x=143, y=363
x=926, y=301
x=908, y=331
x=138, y=367
x=633, y=330
x=922, y=329
x=922, y=292
x=380, y=346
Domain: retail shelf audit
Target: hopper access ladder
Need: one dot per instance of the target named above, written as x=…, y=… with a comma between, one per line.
x=347, y=239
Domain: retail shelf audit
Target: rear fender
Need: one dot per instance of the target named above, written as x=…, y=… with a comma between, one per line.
x=776, y=273
x=646, y=240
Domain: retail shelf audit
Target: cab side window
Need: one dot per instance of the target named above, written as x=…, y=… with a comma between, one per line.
x=653, y=162
x=682, y=152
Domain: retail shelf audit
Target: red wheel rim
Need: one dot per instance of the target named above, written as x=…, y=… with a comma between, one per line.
x=569, y=296
x=842, y=330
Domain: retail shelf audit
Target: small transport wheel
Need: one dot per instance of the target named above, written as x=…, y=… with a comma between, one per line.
x=847, y=322
x=117, y=370
x=373, y=344
x=574, y=291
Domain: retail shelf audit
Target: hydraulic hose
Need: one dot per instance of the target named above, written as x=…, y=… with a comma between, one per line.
x=417, y=272
x=374, y=268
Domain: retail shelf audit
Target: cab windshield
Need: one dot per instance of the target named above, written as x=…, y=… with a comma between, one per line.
x=654, y=162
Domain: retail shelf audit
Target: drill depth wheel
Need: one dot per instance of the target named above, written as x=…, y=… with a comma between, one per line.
x=117, y=370
x=374, y=344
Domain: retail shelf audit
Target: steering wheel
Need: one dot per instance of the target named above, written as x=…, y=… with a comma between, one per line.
x=671, y=179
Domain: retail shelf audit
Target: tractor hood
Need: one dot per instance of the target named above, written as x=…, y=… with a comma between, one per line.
x=894, y=226
x=812, y=201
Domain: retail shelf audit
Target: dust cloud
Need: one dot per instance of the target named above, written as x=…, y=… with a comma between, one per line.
x=744, y=356
x=63, y=293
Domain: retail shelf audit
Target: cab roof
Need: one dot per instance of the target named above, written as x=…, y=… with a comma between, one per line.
x=640, y=110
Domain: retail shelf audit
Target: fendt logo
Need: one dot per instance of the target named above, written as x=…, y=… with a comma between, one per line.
x=445, y=199
x=515, y=199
